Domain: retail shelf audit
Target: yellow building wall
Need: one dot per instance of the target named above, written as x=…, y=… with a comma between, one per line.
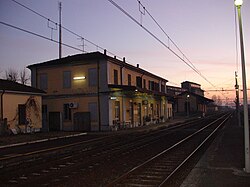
x=134, y=74
x=10, y=110
x=111, y=68
x=56, y=105
x=55, y=83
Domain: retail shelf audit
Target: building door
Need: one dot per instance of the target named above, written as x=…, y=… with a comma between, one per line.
x=82, y=121
x=131, y=112
x=139, y=114
x=44, y=118
x=117, y=110
x=54, y=121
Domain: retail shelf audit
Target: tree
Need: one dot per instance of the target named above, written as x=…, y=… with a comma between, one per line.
x=217, y=100
x=11, y=74
x=24, y=77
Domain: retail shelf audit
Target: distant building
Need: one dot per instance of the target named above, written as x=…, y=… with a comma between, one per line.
x=192, y=87
x=21, y=105
x=190, y=104
x=188, y=99
x=93, y=91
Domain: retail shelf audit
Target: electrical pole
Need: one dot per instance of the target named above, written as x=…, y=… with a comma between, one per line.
x=60, y=29
x=237, y=102
x=238, y=4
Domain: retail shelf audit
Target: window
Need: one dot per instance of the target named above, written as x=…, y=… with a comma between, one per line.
x=43, y=81
x=129, y=79
x=151, y=85
x=66, y=112
x=93, y=77
x=115, y=76
x=22, y=114
x=93, y=111
x=66, y=79
x=139, y=82
x=163, y=88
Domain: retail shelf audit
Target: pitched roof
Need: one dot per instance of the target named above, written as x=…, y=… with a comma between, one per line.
x=75, y=59
x=70, y=59
x=10, y=86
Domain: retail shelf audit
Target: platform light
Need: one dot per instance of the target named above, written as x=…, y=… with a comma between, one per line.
x=79, y=78
x=238, y=4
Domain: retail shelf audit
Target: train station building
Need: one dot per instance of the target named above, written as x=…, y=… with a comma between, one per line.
x=96, y=92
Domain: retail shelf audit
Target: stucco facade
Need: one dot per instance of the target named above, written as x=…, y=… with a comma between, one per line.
x=111, y=92
x=11, y=101
x=21, y=106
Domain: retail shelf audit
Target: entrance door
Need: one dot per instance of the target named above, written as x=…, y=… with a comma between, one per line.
x=131, y=113
x=54, y=121
x=139, y=113
x=82, y=121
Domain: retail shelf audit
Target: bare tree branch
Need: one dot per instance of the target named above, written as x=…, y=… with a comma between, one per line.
x=12, y=75
x=24, y=77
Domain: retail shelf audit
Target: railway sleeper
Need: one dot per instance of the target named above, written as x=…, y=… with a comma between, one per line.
x=144, y=182
x=150, y=176
x=155, y=173
x=134, y=185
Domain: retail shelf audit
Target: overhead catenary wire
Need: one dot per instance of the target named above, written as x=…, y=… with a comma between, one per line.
x=182, y=56
x=161, y=42
x=39, y=35
x=169, y=38
x=66, y=29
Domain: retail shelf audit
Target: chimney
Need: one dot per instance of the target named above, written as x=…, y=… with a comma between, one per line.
x=124, y=60
x=114, y=57
x=137, y=65
x=105, y=52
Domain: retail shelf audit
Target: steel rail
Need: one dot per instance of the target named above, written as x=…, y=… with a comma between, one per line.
x=190, y=155
x=125, y=175
x=87, y=141
x=111, y=150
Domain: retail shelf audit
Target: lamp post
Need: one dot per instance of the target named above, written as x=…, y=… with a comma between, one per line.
x=238, y=4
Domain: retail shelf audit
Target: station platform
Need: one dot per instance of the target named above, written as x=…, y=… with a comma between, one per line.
x=223, y=163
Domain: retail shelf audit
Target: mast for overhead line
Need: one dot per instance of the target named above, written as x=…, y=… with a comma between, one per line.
x=237, y=99
x=60, y=29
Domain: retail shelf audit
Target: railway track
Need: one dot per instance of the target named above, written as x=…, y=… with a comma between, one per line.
x=91, y=144
x=79, y=161
x=158, y=170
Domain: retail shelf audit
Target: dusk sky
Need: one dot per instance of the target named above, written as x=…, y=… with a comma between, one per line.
x=204, y=30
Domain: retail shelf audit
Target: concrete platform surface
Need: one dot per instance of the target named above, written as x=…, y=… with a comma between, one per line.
x=223, y=163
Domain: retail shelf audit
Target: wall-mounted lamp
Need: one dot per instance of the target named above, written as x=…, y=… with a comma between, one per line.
x=79, y=78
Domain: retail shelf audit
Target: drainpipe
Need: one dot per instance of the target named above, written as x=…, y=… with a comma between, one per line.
x=98, y=94
x=123, y=106
x=1, y=117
